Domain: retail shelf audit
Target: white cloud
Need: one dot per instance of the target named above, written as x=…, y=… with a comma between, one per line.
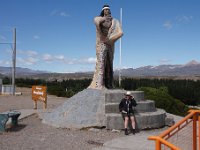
x=184, y=18
x=92, y=60
x=48, y=58
x=60, y=57
x=70, y=62
x=31, y=60
x=168, y=24
x=30, y=57
x=64, y=14
x=36, y=37
x=27, y=61
x=5, y=62
x=177, y=20
x=27, y=52
x=89, y=60
x=59, y=13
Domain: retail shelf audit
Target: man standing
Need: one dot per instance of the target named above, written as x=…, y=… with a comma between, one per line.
x=126, y=108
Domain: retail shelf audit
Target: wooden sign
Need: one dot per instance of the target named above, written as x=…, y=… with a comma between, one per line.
x=39, y=93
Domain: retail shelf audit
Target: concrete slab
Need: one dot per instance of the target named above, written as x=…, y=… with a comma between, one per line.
x=138, y=141
x=145, y=120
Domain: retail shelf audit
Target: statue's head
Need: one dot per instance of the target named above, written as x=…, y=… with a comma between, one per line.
x=105, y=10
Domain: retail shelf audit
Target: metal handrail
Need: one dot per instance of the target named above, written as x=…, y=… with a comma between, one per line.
x=161, y=139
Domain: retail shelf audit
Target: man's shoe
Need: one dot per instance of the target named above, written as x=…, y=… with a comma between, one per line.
x=133, y=131
x=126, y=131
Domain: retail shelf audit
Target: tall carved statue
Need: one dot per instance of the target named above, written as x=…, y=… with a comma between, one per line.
x=108, y=30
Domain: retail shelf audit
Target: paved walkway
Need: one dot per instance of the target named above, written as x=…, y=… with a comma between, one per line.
x=138, y=141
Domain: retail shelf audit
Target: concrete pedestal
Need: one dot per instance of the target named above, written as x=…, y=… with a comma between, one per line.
x=98, y=108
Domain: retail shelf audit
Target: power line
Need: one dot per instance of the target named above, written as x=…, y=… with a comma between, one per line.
x=11, y=45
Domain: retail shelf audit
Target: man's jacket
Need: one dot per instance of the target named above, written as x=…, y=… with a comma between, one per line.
x=126, y=106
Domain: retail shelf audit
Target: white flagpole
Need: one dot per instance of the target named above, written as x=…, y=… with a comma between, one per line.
x=120, y=50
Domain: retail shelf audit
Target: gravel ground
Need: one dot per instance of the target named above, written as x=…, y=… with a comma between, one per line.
x=31, y=134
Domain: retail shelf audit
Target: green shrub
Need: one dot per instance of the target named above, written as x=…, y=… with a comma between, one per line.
x=164, y=100
x=69, y=93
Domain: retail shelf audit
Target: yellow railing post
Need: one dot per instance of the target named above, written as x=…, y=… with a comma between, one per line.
x=199, y=129
x=195, y=131
x=158, y=145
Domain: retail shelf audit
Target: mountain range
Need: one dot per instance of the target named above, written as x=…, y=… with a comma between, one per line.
x=191, y=68
x=20, y=72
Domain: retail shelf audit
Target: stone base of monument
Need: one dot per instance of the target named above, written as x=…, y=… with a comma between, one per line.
x=83, y=110
x=147, y=120
x=146, y=114
x=99, y=108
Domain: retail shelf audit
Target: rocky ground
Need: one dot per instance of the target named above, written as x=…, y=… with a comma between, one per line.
x=31, y=134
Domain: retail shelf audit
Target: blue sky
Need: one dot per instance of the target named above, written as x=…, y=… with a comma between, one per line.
x=60, y=35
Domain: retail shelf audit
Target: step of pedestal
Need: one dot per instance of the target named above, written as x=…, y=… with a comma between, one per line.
x=148, y=120
x=115, y=96
x=143, y=106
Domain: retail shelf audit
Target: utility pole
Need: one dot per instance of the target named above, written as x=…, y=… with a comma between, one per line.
x=120, y=50
x=14, y=61
x=13, y=47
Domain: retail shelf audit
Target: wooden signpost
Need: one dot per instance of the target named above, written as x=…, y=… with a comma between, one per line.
x=39, y=93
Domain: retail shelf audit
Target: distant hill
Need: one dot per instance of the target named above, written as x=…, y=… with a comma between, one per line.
x=189, y=69
x=62, y=76
x=192, y=68
x=20, y=72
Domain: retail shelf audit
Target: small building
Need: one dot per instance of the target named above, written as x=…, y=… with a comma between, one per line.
x=1, y=86
x=7, y=90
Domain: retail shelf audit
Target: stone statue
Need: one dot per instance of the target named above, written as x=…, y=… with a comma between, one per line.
x=108, y=30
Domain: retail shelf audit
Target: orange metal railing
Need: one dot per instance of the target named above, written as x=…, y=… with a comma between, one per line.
x=194, y=118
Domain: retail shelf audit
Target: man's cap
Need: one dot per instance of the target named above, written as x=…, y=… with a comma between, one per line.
x=128, y=93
